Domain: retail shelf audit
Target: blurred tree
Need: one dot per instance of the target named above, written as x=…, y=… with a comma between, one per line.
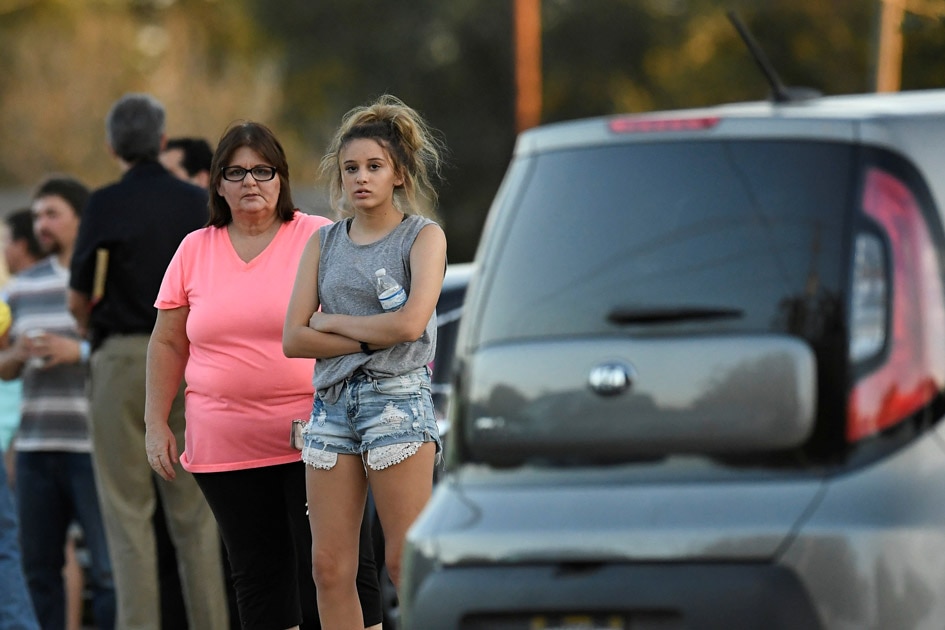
x=662, y=54
x=298, y=65
x=924, y=49
x=66, y=62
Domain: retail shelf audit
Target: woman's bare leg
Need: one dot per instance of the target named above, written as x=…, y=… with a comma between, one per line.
x=400, y=493
x=336, y=504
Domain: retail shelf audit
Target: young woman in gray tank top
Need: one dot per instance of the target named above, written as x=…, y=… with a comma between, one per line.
x=372, y=419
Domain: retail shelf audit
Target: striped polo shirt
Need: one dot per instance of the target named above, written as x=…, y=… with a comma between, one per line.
x=55, y=409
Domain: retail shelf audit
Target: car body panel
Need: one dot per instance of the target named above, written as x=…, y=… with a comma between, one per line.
x=621, y=397
x=866, y=545
x=449, y=310
x=870, y=554
x=615, y=596
x=476, y=518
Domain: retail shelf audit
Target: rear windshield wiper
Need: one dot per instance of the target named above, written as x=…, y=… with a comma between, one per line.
x=665, y=314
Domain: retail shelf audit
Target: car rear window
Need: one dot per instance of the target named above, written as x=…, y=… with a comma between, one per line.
x=750, y=231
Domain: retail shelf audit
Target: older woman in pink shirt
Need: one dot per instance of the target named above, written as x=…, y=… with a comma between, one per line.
x=221, y=311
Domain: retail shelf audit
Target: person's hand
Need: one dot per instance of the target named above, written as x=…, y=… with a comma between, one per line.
x=54, y=349
x=23, y=348
x=161, y=445
x=318, y=318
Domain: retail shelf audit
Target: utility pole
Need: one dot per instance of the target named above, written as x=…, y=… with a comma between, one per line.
x=892, y=12
x=527, y=63
x=889, y=66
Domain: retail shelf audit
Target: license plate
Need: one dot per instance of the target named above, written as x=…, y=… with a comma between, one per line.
x=578, y=622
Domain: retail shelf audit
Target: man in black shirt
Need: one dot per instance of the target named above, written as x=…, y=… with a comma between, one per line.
x=130, y=231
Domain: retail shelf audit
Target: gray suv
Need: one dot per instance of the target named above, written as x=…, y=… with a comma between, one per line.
x=700, y=377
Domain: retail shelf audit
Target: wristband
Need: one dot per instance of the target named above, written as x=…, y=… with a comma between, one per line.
x=366, y=350
x=85, y=349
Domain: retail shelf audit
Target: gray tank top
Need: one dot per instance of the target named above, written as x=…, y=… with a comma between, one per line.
x=346, y=285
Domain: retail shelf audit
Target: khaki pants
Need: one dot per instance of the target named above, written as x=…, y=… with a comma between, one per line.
x=126, y=492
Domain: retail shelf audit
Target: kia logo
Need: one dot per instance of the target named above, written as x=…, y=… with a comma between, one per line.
x=610, y=379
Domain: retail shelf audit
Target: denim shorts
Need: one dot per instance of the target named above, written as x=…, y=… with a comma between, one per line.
x=371, y=413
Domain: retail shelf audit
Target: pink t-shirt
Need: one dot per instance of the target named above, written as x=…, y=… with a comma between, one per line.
x=242, y=392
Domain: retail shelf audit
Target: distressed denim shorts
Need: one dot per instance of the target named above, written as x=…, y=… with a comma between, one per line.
x=386, y=418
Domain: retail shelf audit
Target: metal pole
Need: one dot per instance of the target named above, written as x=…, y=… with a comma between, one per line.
x=889, y=66
x=527, y=63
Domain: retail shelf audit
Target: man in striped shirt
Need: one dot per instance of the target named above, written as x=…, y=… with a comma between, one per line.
x=55, y=484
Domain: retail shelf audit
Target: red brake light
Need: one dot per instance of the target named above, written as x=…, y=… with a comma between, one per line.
x=644, y=124
x=914, y=370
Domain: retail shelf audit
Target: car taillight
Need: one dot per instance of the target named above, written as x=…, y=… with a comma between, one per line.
x=636, y=124
x=912, y=371
x=870, y=290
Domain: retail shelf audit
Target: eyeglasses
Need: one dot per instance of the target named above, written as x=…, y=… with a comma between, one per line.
x=238, y=173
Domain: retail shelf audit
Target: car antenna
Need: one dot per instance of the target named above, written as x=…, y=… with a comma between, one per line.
x=779, y=92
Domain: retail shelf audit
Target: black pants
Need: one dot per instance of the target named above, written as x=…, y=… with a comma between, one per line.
x=262, y=517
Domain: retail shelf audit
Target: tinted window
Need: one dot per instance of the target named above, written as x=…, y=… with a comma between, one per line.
x=752, y=229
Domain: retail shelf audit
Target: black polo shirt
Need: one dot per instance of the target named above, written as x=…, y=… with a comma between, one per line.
x=141, y=221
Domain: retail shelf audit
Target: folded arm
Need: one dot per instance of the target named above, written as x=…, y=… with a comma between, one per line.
x=298, y=339
x=427, y=262
x=310, y=333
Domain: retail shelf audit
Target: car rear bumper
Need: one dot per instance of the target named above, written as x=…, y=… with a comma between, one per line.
x=590, y=596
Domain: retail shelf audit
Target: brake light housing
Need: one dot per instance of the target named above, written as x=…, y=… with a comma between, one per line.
x=649, y=124
x=897, y=317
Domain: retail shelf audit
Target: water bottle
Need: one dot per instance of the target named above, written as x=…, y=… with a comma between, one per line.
x=389, y=291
